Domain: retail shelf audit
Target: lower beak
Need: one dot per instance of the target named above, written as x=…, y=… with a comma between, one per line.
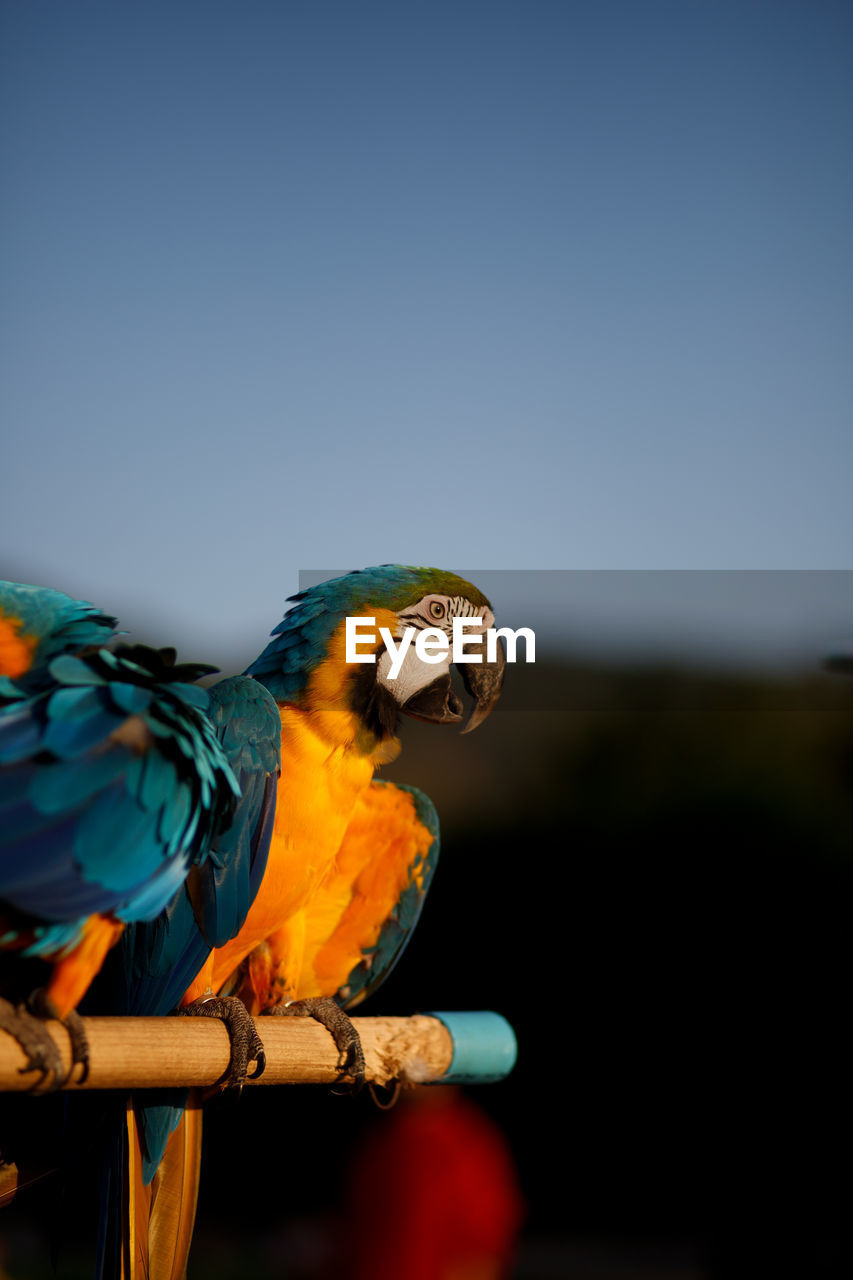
x=484, y=681
x=437, y=703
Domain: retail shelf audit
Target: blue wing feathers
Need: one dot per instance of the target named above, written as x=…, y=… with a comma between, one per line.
x=19, y=734
x=89, y=824
x=121, y=774
x=155, y=962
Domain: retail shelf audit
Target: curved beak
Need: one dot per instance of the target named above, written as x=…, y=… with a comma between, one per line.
x=484, y=681
x=438, y=703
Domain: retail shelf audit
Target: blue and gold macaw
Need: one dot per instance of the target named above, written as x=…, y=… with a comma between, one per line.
x=113, y=785
x=350, y=861
x=329, y=897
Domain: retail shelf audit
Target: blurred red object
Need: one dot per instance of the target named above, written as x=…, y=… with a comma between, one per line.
x=433, y=1193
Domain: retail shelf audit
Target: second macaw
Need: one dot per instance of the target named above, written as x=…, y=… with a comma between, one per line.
x=113, y=784
x=350, y=857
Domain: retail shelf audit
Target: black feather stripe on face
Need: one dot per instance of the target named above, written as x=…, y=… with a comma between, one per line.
x=377, y=709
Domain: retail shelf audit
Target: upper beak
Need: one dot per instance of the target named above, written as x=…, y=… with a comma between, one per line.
x=484, y=681
x=438, y=703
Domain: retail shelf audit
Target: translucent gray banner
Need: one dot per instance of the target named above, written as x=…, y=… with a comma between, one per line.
x=775, y=620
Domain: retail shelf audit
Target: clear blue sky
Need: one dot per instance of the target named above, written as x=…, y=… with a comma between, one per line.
x=545, y=285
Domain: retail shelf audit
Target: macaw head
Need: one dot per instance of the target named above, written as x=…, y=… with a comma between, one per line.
x=37, y=624
x=306, y=661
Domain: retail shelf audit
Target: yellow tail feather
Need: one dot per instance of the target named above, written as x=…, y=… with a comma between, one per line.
x=160, y=1216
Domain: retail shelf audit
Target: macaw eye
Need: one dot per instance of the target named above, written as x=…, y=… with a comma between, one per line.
x=437, y=609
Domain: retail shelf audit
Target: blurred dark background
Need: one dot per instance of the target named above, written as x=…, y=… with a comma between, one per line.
x=651, y=881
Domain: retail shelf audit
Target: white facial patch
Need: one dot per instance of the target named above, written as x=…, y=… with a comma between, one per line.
x=412, y=674
x=401, y=667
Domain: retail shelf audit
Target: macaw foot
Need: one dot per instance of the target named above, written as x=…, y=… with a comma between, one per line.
x=39, y=1049
x=246, y=1044
x=42, y=1007
x=324, y=1010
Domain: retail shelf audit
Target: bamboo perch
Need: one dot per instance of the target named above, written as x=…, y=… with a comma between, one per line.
x=154, y=1053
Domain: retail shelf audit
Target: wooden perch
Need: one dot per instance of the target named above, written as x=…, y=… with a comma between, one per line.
x=153, y=1053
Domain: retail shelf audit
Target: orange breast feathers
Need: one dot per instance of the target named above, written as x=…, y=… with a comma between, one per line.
x=327, y=763
x=319, y=787
x=16, y=649
x=383, y=851
x=73, y=974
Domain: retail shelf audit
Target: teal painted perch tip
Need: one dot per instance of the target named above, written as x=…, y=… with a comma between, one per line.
x=484, y=1047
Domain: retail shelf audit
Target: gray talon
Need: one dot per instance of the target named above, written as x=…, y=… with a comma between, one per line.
x=38, y=1046
x=330, y=1015
x=41, y=1006
x=246, y=1044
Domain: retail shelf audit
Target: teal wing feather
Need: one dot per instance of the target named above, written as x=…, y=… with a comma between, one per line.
x=154, y=963
x=112, y=784
x=55, y=624
x=247, y=722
